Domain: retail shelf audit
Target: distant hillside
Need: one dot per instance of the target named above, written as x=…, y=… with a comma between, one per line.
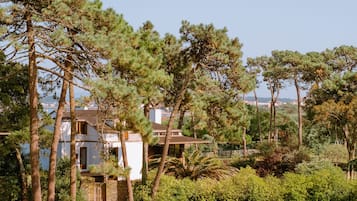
x=267, y=100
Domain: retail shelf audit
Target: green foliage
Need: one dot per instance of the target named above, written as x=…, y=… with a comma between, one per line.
x=10, y=188
x=109, y=168
x=206, y=64
x=336, y=153
x=171, y=192
x=316, y=136
x=243, y=162
x=253, y=129
x=314, y=165
x=194, y=166
x=63, y=181
x=246, y=185
x=333, y=102
x=295, y=187
x=266, y=148
x=329, y=184
x=13, y=95
x=278, y=160
x=319, y=184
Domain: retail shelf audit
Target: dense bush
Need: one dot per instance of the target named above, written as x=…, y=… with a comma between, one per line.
x=246, y=185
x=10, y=188
x=280, y=160
x=327, y=183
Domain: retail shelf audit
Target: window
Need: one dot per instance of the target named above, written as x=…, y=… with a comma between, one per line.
x=114, y=153
x=83, y=157
x=176, y=150
x=81, y=127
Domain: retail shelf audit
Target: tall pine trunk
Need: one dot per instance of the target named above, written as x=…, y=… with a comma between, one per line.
x=175, y=110
x=33, y=96
x=245, y=151
x=145, y=168
x=55, y=139
x=274, y=115
x=258, y=116
x=244, y=139
x=126, y=165
x=22, y=175
x=351, y=149
x=298, y=95
x=193, y=130
x=181, y=118
x=271, y=114
x=73, y=174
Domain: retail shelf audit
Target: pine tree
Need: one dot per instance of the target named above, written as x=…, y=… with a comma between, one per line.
x=201, y=52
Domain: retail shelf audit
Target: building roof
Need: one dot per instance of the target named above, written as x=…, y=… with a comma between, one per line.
x=90, y=116
x=159, y=127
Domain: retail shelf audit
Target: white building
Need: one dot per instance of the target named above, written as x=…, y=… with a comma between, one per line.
x=93, y=140
x=91, y=143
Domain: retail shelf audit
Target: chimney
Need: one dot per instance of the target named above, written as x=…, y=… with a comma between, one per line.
x=155, y=116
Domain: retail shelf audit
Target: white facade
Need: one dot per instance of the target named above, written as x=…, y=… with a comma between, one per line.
x=90, y=146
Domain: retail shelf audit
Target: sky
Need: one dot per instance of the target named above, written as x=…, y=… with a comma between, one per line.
x=260, y=25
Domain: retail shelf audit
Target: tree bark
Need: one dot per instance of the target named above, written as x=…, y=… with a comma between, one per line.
x=274, y=115
x=145, y=168
x=351, y=149
x=55, y=139
x=298, y=95
x=193, y=130
x=181, y=118
x=271, y=114
x=126, y=165
x=175, y=110
x=22, y=175
x=258, y=116
x=73, y=177
x=33, y=96
x=245, y=151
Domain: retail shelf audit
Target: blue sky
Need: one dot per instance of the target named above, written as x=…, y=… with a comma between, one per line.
x=261, y=25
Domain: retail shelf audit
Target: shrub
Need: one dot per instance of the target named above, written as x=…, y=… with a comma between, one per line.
x=172, y=189
x=204, y=190
x=266, y=148
x=295, y=187
x=246, y=185
x=322, y=181
x=10, y=188
x=281, y=160
x=308, y=167
x=243, y=162
x=329, y=184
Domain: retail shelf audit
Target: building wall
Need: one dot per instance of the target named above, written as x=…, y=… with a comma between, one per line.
x=92, y=141
x=135, y=160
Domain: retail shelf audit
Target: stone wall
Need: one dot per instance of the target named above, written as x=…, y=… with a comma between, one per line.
x=113, y=190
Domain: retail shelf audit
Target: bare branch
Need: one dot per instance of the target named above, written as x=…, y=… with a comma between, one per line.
x=61, y=76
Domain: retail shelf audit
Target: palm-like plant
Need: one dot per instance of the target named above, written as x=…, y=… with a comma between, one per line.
x=194, y=165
